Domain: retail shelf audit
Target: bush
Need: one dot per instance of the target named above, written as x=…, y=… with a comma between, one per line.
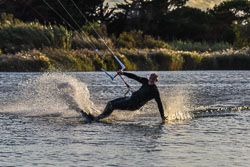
x=166, y=61
x=192, y=60
x=233, y=62
x=16, y=36
x=134, y=61
x=125, y=40
x=96, y=30
x=150, y=42
x=34, y=47
x=63, y=60
x=80, y=41
x=208, y=63
x=8, y=19
x=49, y=59
x=24, y=61
x=199, y=46
x=136, y=39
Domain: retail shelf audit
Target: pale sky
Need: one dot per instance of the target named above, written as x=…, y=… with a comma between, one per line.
x=202, y=4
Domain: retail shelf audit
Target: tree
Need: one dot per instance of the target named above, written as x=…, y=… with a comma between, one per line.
x=48, y=10
x=185, y=23
x=143, y=15
x=227, y=13
x=242, y=32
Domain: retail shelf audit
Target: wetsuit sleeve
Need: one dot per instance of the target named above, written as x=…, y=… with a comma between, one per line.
x=159, y=103
x=135, y=77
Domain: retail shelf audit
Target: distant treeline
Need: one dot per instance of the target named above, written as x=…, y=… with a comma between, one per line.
x=49, y=46
x=165, y=19
x=35, y=47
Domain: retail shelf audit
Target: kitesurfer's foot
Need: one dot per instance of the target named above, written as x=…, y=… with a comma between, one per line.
x=91, y=117
x=88, y=117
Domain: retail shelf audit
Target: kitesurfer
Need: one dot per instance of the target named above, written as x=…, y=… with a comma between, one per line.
x=147, y=92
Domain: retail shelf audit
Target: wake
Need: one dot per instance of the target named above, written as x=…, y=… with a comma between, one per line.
x=180, y=106
x=54, y=94
x=219, y=112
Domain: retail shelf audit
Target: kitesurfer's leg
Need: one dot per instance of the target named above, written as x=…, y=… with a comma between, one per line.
x=120, y=103
x=107, y=111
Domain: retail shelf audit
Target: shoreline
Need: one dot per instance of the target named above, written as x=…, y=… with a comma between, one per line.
x=82, y=60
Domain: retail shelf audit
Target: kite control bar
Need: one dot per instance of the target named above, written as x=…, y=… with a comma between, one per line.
x=122, y=65
x=113, y=77
x=122, y=68
x=108, y=74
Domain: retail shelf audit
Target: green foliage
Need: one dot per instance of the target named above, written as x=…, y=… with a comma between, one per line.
x=171, y=20
x=233, y=10
x=72, y=60
x=24, y=61
x=208, y=62
x=192, y=61
x=126, y=40
x=166, y=60
x=16, y=36
x=31, y=10
x=35, y=47
x=61, y=37
x=81, y=41
x=86, y=60
x=185, y=23
x=242, y=32
x=136, y=60
x=164, y=19
x=150, y=42
x=199, y=46
x=95, y=29
x=236, y=61
x=136, y=39
x=109, y=63
x=62, y=60
x=224, y=15
x=8, y=19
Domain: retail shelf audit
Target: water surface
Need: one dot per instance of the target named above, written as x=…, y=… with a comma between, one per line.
x=208, y=121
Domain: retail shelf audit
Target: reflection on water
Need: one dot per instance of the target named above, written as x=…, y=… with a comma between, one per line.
x=208, y=123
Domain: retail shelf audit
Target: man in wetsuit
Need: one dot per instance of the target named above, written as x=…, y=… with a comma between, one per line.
x=147, y=92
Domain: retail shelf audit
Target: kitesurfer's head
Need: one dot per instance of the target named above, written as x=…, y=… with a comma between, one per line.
x=153, y=78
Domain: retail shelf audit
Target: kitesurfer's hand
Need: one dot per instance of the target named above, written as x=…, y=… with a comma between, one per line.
x=120, y=72
x=163, y=118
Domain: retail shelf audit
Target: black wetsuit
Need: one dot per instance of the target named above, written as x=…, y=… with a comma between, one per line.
x=136, y=100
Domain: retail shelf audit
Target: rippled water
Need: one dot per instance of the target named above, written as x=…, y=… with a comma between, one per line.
x=208, y=122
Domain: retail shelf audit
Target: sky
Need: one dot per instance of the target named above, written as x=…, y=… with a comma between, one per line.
x=202, y=4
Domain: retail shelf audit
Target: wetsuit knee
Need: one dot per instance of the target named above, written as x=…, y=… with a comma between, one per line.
x=107, y=111
x=109, y=107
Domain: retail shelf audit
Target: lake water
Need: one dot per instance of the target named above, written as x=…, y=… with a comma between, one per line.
x=208, y=121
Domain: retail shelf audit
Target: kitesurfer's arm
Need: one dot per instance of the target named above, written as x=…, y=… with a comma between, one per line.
x=159, y=103
x=135, y=77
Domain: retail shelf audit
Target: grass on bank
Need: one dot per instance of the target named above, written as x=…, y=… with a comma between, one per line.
x=36, y=47
x=155, y=59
